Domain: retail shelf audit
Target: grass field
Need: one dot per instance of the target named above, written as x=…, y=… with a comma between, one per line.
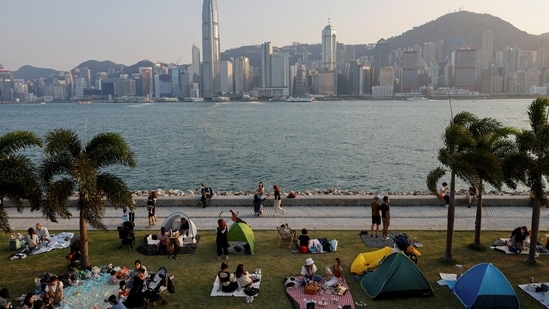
x=195, y=273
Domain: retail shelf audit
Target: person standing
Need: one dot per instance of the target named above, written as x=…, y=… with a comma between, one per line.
x=221, y=239
x=376, y=216
x=131, y=211
x=443, y=194
x=277, y=201
x=206, y=195
x=471, y=194
x=385, y=217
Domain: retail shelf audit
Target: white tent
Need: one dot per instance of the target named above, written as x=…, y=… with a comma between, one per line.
x=173, y=222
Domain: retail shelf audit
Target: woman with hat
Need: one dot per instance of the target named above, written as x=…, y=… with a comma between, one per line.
x=308, y=271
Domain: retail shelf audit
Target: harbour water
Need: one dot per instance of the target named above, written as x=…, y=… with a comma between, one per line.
x=350, y=145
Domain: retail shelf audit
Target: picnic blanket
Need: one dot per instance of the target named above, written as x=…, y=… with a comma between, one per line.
x=324, y=298
x=380, y=242
x=89, y=293
x=530, y=289
x=500, y=245
x=57, y=241
x=216, y=290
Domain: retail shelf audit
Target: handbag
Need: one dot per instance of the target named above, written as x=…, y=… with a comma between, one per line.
x=251, y=291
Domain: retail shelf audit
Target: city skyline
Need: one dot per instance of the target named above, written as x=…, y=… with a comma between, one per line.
x=63, y=35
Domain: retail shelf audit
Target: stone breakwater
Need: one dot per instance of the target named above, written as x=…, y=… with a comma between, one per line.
x=318, y=192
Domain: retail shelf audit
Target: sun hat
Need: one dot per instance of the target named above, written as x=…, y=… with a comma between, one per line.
x=376, y=197
x=309, y=262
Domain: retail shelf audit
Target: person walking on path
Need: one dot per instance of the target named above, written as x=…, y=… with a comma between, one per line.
x=277, y=201
x=385, y=216
x=443, y=194
x=376, y=216
x=471, y=194
x=221, y=239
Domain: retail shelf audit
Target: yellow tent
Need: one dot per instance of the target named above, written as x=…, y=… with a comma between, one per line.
x=368, y=261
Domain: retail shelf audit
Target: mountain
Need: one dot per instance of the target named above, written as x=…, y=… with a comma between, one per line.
x=470, y=26
x=28, y=72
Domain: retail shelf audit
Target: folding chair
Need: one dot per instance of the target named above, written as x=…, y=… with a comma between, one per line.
x=285, y=232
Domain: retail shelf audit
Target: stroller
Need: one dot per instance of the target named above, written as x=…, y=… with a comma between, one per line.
x=126, y=233
x=156, y=284
x=73, y=258
x=405, y=245
x=258, y=205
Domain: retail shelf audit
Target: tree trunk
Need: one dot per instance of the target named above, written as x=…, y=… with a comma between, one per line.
x=84, y=258
x=451, y=218
x=534, y=232
x=478, y=219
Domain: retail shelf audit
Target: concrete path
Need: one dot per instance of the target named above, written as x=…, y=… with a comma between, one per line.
x=310, y=217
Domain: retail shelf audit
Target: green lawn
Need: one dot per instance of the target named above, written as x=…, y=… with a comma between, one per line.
x=195, y=273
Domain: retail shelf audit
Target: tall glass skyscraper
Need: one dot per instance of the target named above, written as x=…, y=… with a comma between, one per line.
x=211, y=85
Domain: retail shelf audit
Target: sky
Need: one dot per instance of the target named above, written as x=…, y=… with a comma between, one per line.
x=61, y=34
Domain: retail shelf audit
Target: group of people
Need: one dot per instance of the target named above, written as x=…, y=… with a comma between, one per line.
x=260, y=197
x=52, y=297
x=334, y=272
x=36, y=236
x=444, y=194
x=380, y=213
x=241, y=279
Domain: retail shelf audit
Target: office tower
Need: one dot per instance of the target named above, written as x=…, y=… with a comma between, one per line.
x=301, y=88
x=176, y=84
x=329, y=49
x=409, y=71
x=193, y=71
x=544, y=55
x=381, y=57
x=266, y=52
x=226, y=77
x=387, y=76
x=280, y=64
x=242, y=75
x=210, y=49
x=487, y=54
x=465, y=69
x=146, y=81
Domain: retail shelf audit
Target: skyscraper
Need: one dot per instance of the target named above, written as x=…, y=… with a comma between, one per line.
x=211, y=84
x=329, y=49
x=266, y=52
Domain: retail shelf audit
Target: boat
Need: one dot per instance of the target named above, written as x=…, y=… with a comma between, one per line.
x=84, y=102
x=416, y=98
x=299, y=99
x=193, y=99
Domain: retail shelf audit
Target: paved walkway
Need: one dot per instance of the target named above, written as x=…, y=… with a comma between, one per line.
x=310, y=217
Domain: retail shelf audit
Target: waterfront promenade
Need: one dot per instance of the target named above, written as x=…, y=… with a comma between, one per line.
x=357, y=217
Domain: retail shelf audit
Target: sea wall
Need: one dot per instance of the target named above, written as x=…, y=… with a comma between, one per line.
x=323, y=200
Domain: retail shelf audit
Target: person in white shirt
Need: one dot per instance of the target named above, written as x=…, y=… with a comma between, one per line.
x=42, y=232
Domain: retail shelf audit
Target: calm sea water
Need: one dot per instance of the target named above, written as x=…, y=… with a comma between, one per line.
x=350, y=145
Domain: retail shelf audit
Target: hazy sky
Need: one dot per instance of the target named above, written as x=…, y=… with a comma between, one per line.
x=61, y=34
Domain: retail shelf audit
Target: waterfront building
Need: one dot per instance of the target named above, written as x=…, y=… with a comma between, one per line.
x=210, y=49
x=487, y=53
x=280, y=64
x=465, y=69
x=409, y=71
x=266, y=52
x=146, y=81
x=162, y=85
x=300, y=81
x=226, y=77
x=329, y=49
x=176, y=83
x=80, y=84
x=193, y=70
x=242, y=76
x=387, y=76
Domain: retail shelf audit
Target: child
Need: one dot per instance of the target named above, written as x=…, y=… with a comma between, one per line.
x=123, y=292
x=113, y=280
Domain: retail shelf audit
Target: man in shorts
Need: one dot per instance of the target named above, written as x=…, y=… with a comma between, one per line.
x=376, y=216
x=386, y=217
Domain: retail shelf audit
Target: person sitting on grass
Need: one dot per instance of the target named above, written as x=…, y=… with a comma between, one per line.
x=54, y=290
x=227, y=283
x=334, y=273
x=302, y=242
x=115, y=303
x=308, y=271
x=243, y=278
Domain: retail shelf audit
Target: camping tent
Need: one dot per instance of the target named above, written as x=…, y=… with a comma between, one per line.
x=241, y=239
x=396, y=276
x=485, y=286
x=368, y=261
x=173, y=222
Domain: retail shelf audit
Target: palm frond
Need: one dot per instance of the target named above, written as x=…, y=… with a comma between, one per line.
x=12, y=142
x=115, y=190
x=110, y=148
x=59, y=141
x=433, y=178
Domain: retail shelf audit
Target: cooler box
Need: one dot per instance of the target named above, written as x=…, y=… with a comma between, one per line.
x=16, y=244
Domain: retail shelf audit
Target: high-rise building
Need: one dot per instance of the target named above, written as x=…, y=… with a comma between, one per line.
x=266, y=52
x=466, y=60
x=329, y=49
x=487, y=54
x=381, y=57
x=146, y=81
x=280, y=64
x=387, y=76
x=242, y=75
x=211, y=84
x=193, y=71
x=226, y=77
x=409, y=71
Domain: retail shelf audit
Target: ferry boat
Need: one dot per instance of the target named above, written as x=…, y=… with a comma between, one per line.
x=84, y=102
x=416, y=98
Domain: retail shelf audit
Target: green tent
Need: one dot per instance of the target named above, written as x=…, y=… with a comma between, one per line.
x=241, y=239
x=396, y=276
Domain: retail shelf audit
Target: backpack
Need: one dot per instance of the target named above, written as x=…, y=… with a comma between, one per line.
x=402, y=242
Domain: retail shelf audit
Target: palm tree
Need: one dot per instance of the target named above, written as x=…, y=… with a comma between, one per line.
x=529, y=164
x=456, y=139
x=72, y=165
x=483, y=161
x=18, y=174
